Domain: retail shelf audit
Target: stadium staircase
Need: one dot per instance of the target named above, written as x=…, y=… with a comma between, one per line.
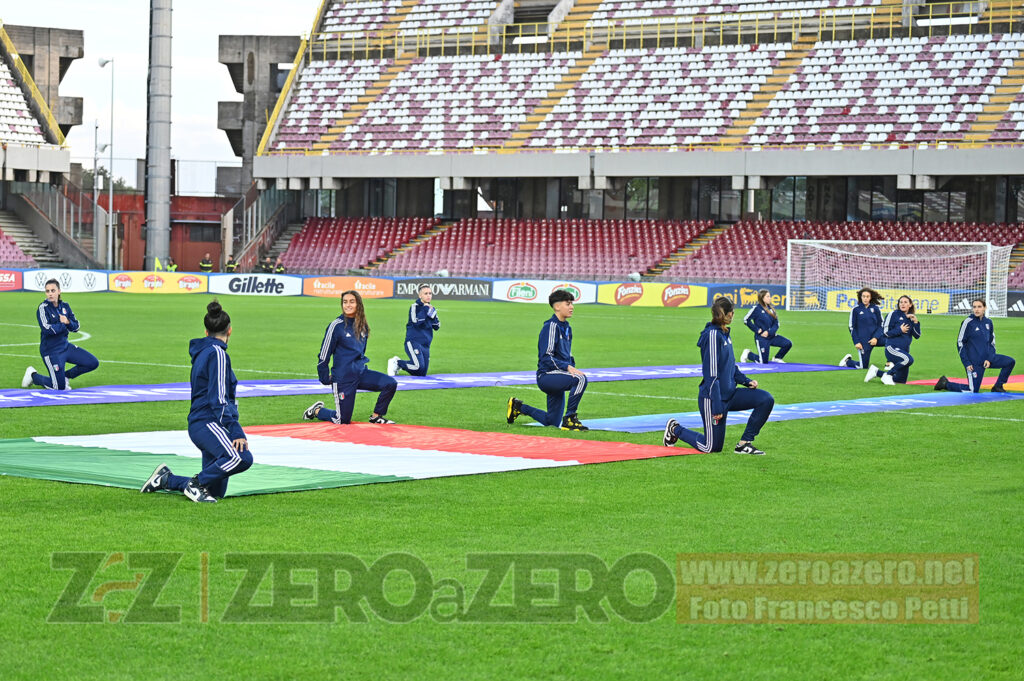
x=739, y=130
x=998, y=104
x=372, y=94
x=888, y=15
x=411, y=244
x=390, y=29
x=280, y=245
x=520, y=137
x=27, y=241
x=577, y=18
x=680, y=254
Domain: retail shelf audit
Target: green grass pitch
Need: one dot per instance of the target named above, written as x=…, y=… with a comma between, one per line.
x=938, y=480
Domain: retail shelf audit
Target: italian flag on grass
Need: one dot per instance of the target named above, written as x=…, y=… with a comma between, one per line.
x=310, y=456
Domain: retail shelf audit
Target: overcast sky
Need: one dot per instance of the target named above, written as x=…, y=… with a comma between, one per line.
x=120, y=29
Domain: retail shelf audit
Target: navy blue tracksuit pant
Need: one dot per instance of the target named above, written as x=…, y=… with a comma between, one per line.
x=220, y=459
x=345, y=396
x=865, y=357
x=760, y=401
x=58, y=378
x=764, y=346
x=1002, y=362
x=556, y=384
x=419, y=359
x=901, y=360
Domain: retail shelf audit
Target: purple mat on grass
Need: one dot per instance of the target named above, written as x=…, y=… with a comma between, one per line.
x=163, y=392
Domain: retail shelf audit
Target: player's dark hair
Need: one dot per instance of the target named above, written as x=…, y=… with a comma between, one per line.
x=876, y=297
x=362, y=329
x=911, y=310
x=719, y=309
x=216, y=320
x=766, y=304
x=55, y=283
x=423, y=286
x=559, y=296
x=980, y=300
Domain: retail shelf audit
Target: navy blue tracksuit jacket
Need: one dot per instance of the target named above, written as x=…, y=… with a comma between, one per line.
x=554, y=357
x=976, y=344
x=341, y=364
x=865, y=324
x=419, y=334
x=718, y=393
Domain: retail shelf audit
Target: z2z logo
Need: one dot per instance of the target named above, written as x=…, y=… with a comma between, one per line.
x=105, y=580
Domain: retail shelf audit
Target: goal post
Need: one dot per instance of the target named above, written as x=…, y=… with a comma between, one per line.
x=942, y=277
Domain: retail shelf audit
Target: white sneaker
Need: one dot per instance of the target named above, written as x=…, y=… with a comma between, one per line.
x=887, y=379
x=872, y=373
x=845, y=359
x=393, y=366
x=888, y=366
x=745, y=356
x=779, y=361
x=26, y=380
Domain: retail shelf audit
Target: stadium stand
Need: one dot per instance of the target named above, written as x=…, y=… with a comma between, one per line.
x=904, y=90
x=447, y=16
x=17, y=122
x=601, y=249
x=456, y=102
x=11, y=255
x=1011, y=127
x=756, y=251
x=333, y=245
x=636, y=11
x=651, y=97
x=324, y=93
x=889, y=92
x=358, y=18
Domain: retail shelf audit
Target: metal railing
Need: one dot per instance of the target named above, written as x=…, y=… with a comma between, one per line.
x=67, y=207
x=255, y=225
x=704, y=29
x=26, y=77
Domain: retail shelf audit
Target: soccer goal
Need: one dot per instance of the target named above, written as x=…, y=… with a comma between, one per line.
x=940, y=277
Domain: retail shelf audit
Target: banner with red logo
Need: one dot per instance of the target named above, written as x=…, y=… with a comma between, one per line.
x=331, y=287
x=158, y=282
x=644, y=294
x=10, y=280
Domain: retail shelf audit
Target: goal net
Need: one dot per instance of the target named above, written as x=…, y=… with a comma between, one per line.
x=940, y=277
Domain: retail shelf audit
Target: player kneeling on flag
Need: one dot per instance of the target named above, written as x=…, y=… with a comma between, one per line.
x=344, y=348
x=977, y=346
x=213, y=419
x=718, y=395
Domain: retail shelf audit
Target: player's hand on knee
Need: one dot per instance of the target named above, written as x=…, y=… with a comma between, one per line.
x=240, y=444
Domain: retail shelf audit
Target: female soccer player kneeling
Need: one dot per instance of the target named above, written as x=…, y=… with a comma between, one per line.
x=213, y=419
x=345, y=342
x=977, y=346
x=718, y=394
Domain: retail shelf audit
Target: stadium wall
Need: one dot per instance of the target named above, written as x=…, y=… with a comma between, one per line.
x=520, y=290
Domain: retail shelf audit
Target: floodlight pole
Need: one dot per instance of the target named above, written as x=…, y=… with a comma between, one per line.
x=110, y=179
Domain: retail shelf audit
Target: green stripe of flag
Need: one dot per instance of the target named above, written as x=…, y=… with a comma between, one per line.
x=27, y=458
